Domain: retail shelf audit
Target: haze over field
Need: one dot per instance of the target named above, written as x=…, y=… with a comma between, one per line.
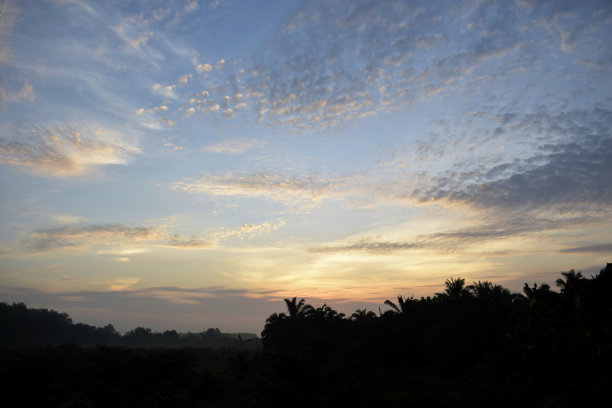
x=189, y=164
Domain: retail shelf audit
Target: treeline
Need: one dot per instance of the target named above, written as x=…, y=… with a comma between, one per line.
x=472, y=345
x=468, y=346
x=21, y=326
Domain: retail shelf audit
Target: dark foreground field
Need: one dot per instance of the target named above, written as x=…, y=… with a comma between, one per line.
x=476, y=345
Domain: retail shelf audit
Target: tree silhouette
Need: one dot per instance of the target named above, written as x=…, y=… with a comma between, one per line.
x=487, y=291
x=571, y=287
x=297, y=309
x=455, y=289
x=534, y=292
x=469, y=345
x=324, y=313
x=361, y=315
x=402, y=307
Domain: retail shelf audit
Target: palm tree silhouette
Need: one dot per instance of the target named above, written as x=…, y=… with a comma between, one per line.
x=569, y=283
x=570, y=287
x=489, y=291
x=296, y=308
x=455, y=289
x=324, y=313
x=362, y=315
x=534, y=292
x=402, y=307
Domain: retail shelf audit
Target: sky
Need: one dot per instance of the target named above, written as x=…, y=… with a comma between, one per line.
x=189, y=164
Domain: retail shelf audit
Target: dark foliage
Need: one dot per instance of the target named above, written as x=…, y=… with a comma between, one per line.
x=24, y=327
x=472, y=345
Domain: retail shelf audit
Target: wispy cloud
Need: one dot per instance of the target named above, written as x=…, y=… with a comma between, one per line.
x=182, y=241
x=236, y=146
x=604, y=248
x=122, y=240
x=271, y=186
x=78, y=236
x=65, y=151
x=368, y=246
x=494, y=228
x=249, y=230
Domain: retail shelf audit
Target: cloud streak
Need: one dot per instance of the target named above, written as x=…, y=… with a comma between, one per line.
x=131, y=239
x=494, y=228
x=77, y=236
x=603, y=248
x=233, y=147
x=65, y=151
x=271, y=186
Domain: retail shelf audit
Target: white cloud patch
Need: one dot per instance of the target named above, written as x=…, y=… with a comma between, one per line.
x=203, y=68
x=184, y=79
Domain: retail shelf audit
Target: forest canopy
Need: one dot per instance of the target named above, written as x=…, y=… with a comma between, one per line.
x=467, y=345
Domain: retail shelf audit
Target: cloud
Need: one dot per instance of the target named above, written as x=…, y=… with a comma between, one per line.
x=122, y=284
x=493, y=228
x=369, y=246
x=549, y=160
x=249, y=230
x=123, y=241
x=203, y=68
x=181, y=241
x=236, y=146
x=131, y=239
x=571, y=173
x=508, y=160
x=271, y=186
x=65, y=151
x=191, y=7
x=26, y=93
x=126, y=305
x=189, y=112
x=184, y=79
x=604, y=248
x=77, y=236
x=213, y=239
x=69, y=219
x=326, y=66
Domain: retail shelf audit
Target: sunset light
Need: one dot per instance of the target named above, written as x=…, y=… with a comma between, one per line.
x=190, y=164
